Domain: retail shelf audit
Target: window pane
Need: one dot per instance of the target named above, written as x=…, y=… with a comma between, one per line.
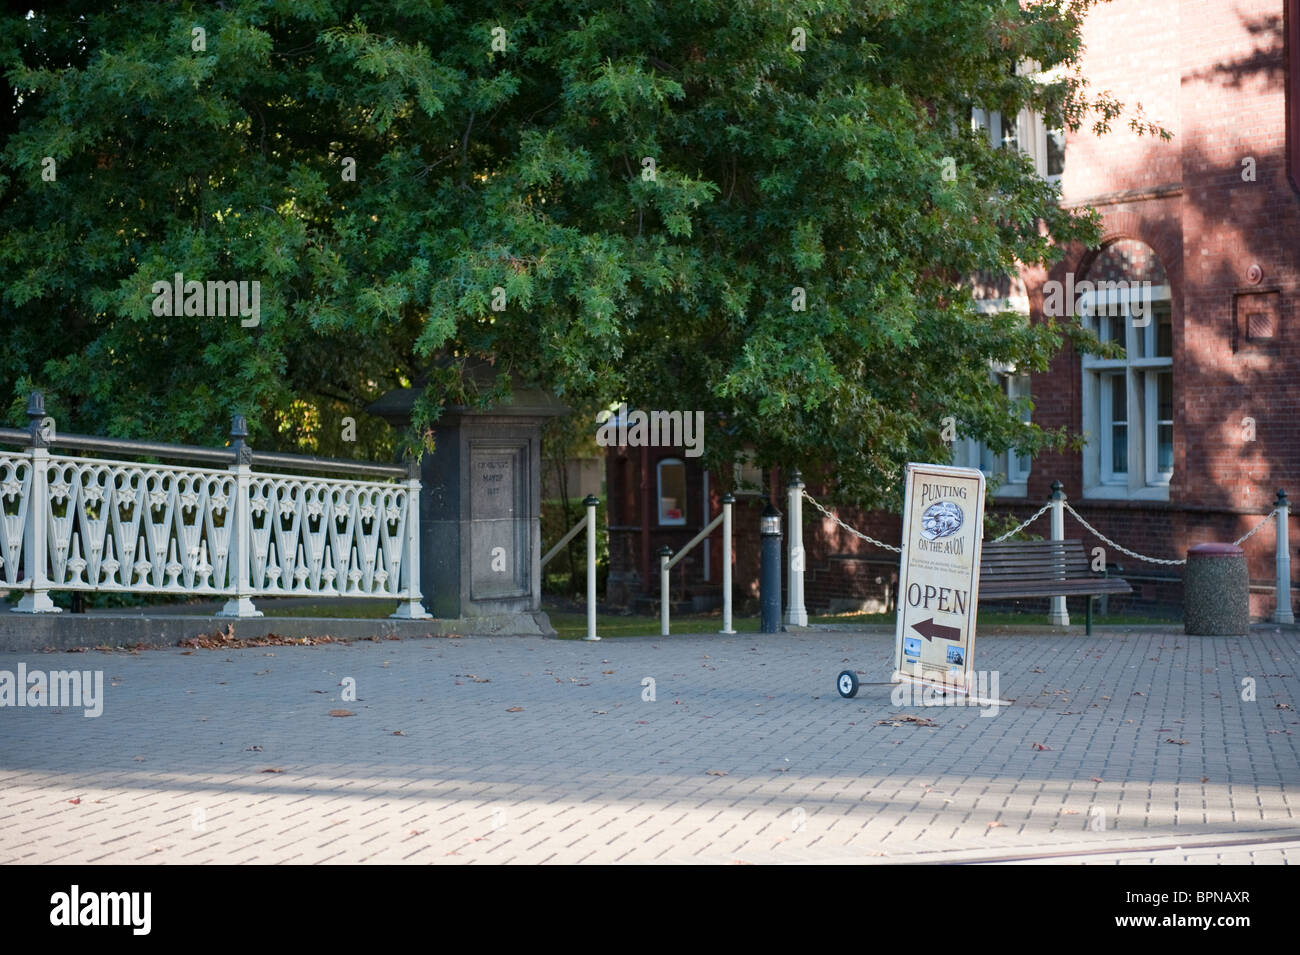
x=1119, y=449
x=1164, y=329
x=1140, y=333
x=1055, y=152
x=1165, y=399
x=672, y=492
x=1165, y=448
x=1118, y=399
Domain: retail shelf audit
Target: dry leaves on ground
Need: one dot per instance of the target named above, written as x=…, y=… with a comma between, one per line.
x=906, y=720
x=342, y=713
x=715, y=772
x=514, y=709
x=1180, y=742
x=228, y=640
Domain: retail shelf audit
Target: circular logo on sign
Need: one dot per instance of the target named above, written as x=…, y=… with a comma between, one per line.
x=941, y=520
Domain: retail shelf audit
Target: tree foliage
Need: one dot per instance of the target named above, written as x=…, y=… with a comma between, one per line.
x=647, y=183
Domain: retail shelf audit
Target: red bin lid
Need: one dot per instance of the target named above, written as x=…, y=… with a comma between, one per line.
x=1215, y=550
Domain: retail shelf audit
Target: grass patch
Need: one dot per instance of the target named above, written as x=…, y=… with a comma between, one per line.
x=342, y=609
x=572, y=625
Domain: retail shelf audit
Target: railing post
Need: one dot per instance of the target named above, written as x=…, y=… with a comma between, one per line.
x=592, y=502
x=664, y=553
x=796, y=614
x=727, y=501
x=412, y=608
x=240, y=559
x=1282, y=612
x=35, y=534
x=1059, y=615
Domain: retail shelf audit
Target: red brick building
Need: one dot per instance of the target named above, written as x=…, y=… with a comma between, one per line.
x=1191, y=434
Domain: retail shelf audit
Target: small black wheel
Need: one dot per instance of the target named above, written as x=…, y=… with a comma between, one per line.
x=847, y=684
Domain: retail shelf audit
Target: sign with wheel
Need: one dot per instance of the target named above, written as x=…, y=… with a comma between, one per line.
x=939, y=576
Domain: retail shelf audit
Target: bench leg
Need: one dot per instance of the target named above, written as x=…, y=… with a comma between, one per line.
x=1088, y=616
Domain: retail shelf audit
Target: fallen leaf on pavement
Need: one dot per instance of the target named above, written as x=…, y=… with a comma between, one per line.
x=1180, y=742
x=75, y=802
x=1097, y=779
x=514, y=709
x=715, y=772
x=996, y=825
x=905, y=720
x=271, y=769
x=342, y=713
x=398, y=733
x=1041, y=746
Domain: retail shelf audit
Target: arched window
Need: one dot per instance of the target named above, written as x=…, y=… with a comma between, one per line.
x=1128, y=402
x=671, y=482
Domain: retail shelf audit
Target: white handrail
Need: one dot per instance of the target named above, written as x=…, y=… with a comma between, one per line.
x=666, y=563
x=591, y=502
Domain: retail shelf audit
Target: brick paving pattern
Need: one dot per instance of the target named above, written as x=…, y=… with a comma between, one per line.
x=524, y=750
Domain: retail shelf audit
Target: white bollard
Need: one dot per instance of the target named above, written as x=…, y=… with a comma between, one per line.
x=1059, y=615
x=664, y=552
x=591, y=501
x=727, y=501
x=796, y=614
x=1282, y=613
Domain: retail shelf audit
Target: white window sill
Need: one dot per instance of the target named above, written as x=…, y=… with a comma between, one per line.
x=1120, y=492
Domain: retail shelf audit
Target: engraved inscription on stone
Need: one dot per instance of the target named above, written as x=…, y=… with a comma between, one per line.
x=499, y=536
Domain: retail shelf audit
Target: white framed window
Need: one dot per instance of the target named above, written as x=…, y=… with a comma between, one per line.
x=1027, y=131
x=1008, y=469
x=1128, y=402
x=747, y=478
x=670, y=479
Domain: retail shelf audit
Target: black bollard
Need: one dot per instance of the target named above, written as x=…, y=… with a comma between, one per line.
x=769, y=586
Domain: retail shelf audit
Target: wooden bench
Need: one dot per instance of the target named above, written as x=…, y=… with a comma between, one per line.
x=1042, y=569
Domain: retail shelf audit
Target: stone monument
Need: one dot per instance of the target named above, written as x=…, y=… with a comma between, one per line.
x=480, y=510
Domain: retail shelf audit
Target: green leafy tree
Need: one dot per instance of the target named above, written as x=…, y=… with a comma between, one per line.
x=618, y=200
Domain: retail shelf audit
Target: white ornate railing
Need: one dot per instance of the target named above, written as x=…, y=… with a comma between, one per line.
x=91, y=524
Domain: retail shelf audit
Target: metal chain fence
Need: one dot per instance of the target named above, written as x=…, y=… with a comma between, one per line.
x=868, y=539
x=1022, y=525
x=1037, y=514
x=1157, y=560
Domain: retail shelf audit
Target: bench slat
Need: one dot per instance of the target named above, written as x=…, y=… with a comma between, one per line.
x=1042, y=569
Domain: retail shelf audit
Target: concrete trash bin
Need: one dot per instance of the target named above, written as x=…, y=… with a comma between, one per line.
x=1216, y=591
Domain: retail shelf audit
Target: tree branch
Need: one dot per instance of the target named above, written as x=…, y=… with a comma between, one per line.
x=464, y=149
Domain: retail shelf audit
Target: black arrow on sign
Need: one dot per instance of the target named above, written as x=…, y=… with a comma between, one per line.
x=929, y=629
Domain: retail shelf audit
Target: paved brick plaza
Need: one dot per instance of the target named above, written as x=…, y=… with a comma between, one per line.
x=746, y=755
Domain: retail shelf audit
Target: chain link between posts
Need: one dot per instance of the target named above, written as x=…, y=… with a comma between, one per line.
x=1157, y=560
x=870, y=540
x=1022, y=525
x=1036, y=515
